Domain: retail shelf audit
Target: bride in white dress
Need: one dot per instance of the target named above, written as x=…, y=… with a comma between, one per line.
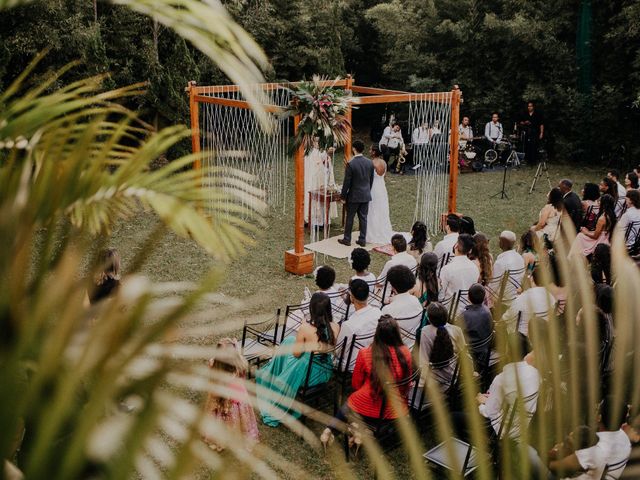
x=378, y=222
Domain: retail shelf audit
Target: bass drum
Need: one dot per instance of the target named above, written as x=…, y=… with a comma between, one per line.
x=477, y=166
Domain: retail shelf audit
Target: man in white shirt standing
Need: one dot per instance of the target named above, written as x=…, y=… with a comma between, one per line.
x=493, y=131
x=404, y=307
x=445, y=246
x=509, y=260
x=400, y=256
x=460, y=273
x=361, y=323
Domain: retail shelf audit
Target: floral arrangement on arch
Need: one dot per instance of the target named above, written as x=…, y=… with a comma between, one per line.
x=323, y=109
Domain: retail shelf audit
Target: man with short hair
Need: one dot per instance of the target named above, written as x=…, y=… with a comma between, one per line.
x=476, y=320
x=460, y=273
x=464, y=130
x=572, y=202
x=614, y=175
x=404, y=305
x=493, y=131
x=363, y=321
x=614, y=435
x=400, y=256
x=509, y=260
x=445, y=246
x=356, y=193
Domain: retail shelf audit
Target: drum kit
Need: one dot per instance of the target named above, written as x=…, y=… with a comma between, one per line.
x=503, y=152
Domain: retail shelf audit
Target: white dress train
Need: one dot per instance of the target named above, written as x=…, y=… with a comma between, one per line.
x=378, y=222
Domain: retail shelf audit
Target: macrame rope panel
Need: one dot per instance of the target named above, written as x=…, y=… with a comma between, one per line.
x=232, y=140
x=433, y=158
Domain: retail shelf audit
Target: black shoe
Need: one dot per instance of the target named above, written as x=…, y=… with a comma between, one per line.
x=344, y=242
x=362, y=243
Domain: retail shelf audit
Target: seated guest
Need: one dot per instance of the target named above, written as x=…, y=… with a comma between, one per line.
x=286, y=372
x=631, y=181
x=590, y=202
x=476, y=319
x=360, y=261
x=419, y=241
x=461, y=272
x=550, y=215
x=536, y=301
x=509, y=261
x=426, y=288
x=615, y=176
x=601, y=265
x=572, y=203
x=529, y=251
x=445, y=246
x=518, y=379
x=439, y=342
x=481, y=256
x=579, y=456
x=467, y=225
x=630, y=216
x=586, y=241
x=403, y=304
x=609, y=186
x=363, y=321
x=400, y=256
x=615, y=436
x=325, y=277
x=107, y=282
x=556, y=285
x=384, y=360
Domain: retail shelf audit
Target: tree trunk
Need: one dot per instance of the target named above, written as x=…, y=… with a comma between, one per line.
x=95, y=11
x=156, y=34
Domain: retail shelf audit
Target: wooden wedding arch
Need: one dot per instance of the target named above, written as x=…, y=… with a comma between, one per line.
x=298, y=260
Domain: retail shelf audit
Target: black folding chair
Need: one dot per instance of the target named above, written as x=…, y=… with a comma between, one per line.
x=259, y=339
x=322, y=395
x=481, y=353
x=446, y=258
x=383, y=429
x=460, y=299
x=632, y=238
x=614, y=470
x=408, y=327
x=378, y=294
x=447, y=375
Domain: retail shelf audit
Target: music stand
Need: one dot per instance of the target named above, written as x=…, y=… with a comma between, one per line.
x=542, y=167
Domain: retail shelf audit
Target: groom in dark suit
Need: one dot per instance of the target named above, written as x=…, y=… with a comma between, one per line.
x=356, y=192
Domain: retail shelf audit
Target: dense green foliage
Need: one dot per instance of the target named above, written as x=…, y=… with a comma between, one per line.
x=501, y=53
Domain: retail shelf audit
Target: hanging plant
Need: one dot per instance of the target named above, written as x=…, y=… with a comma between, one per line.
x=323, y=112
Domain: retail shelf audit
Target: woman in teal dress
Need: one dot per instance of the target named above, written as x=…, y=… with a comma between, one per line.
x=286, y=372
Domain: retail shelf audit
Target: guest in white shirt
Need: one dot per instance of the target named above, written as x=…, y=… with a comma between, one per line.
x=579, y=456
x=404, y=306
x=400, y=256
x=465, y=131
x=631, y=181
x=534, y=302
x=493, y=130
x=631, y=215
x=615, y=176
x=461, y=272
x=364, y=320
x=360, y=261
x=508, y=261
x=445, y=246
x=420, y=135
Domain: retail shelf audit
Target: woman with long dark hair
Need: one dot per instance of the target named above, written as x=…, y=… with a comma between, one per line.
x=426, y=288
x=590, y=201
x=550, y=215
x=387, y=359
x=482, y=257
x=529, y=251
x=286, y=372
x=419, y=243
x=586, y=241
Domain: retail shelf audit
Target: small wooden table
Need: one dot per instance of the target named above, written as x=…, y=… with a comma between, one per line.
x=325, y=197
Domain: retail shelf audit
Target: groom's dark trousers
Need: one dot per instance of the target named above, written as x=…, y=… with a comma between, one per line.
x=362, y=209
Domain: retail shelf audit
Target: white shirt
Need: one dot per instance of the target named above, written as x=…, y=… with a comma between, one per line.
x=362, y=322
x=536, y=300
x=622, y=192
x=509, y=260
x=631, y=215
x=395, y=140
x=420, y=136
x=617, y=448
x=466, y=132
x=386, y=135
x=504, y=388
x=445, y=246
x=493, y=131
x=402, y=258
x=369, y=278
x=459, y=274
x=405, y=306
x=593, y=460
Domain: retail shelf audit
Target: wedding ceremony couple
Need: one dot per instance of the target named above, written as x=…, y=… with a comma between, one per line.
x=365, y=194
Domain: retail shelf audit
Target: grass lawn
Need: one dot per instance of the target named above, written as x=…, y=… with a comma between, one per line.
x=260, y=280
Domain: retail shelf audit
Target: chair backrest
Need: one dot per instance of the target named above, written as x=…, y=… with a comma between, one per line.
x=353, y=346
x=449, y=304
x=409, y=326
x=461, y=300
x=320, y=361
x=632, y=233
x=294, y=315
x=481, y=351
x=446, y=258
x=396, y=386
x=446, y=373
x=621, y=206
x=378, y=289
x=614, y=470
x=510, y=410
x=590, y=216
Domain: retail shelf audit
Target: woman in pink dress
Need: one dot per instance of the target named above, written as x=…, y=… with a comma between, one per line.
x=234, y=409
x=587, y=240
